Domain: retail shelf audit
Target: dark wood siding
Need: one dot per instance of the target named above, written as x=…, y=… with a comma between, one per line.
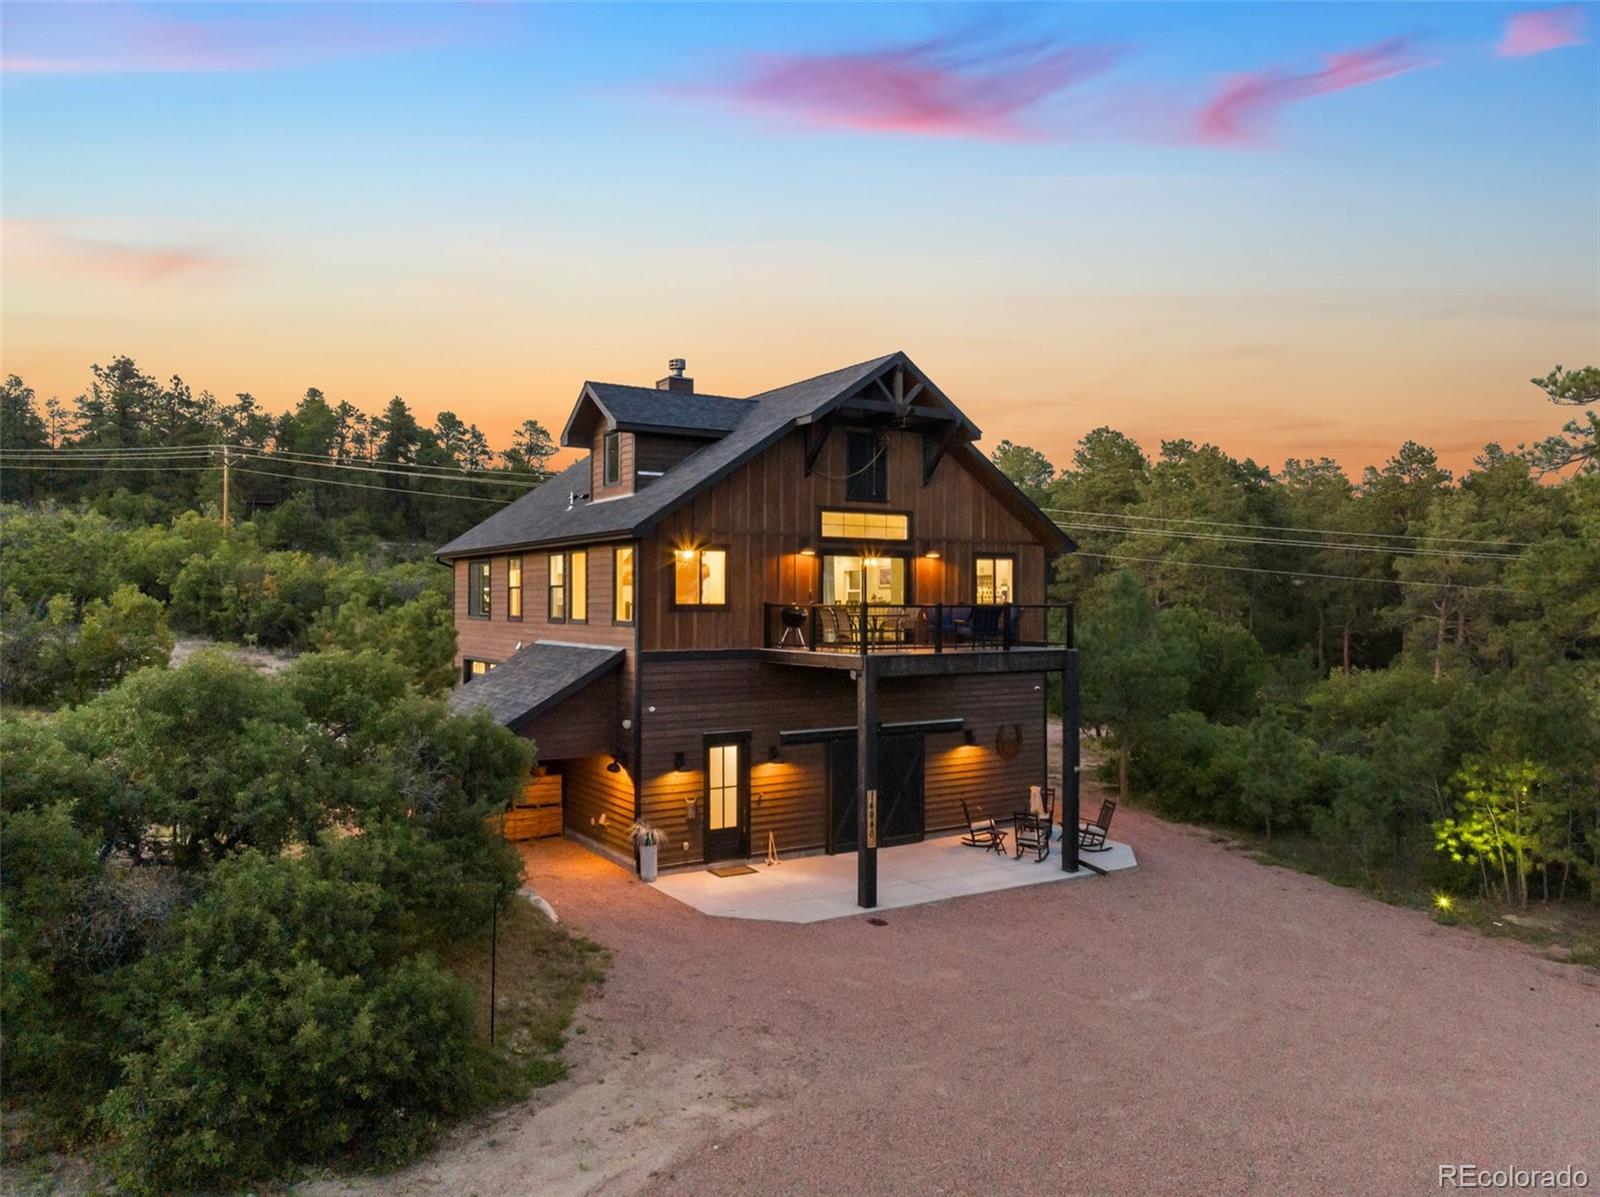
x=661, y=453
x=589, y=792
x=765, y=512
x=733, y=693
x=585, y=724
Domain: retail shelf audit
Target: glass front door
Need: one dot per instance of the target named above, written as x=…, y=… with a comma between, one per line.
x=727, y=799
x=843, y=578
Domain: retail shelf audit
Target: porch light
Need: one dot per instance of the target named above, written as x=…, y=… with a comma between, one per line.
x=871, y=562
x=809, y=551
x=615, y=766
x=970, y=736
x=774, y=753
x=685, y=554
x=932, y=554
x=679, y=762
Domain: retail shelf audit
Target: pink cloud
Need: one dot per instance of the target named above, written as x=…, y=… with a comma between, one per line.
x=1543, y=29
x=43, y=244
x=123, y=38
x=926, y=89
x=1244, y=104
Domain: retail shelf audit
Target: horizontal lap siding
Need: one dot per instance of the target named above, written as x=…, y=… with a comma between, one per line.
x=765, y=512
x=588, y=792
x=625, y=467
x=696, y=696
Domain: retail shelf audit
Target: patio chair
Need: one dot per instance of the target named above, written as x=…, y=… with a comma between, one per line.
x=983, y=833
x=984, y=630
x=1034, y=830
x=1092, y=836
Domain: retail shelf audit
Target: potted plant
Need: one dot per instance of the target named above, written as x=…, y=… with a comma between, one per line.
x=647, y=839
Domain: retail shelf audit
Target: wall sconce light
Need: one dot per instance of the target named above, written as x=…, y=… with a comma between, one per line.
x=774, y=753
x=970, y=736
x=615, y=766
x=679, y=762
x=685, y=554
x=810, y=550
x=871, y=562
x=932, y=554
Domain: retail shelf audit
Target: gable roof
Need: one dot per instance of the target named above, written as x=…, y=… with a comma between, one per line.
x=647, y=409
x=548, y=516
x=533, y=679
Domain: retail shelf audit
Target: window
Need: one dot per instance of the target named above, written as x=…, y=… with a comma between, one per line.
x=866, y=525
x=578, y=585
x=612, y=454
x=722, y=787
x=514, y=588
x=622, y=588
x=558, y=587
x=700, y=578
x=478, y=589
x=471, y=668
x=844, y=576
x=996, y=580
x=866, y=468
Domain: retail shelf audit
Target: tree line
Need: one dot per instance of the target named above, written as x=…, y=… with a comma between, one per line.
x=1396, y=676
x=135, y=446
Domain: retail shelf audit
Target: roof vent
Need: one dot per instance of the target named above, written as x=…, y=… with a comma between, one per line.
x=675, y=380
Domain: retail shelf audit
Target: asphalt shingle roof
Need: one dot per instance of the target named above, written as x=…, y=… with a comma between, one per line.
x=533, y=678
x=545, y=515
x=636, y=408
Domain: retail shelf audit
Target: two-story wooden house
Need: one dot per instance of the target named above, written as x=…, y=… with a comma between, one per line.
x=733, y=618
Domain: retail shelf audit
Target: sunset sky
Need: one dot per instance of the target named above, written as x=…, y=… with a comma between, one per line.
x=1291, y=229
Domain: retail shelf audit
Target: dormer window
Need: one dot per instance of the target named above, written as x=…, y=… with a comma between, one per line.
x=867, y=468
x=611, y=468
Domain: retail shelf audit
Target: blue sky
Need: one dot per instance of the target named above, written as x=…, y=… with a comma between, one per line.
x=1292, y=229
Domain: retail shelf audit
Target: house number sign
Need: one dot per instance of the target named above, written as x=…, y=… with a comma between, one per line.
x=872, y=818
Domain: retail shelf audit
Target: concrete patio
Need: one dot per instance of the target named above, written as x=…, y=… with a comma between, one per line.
x=810, y=889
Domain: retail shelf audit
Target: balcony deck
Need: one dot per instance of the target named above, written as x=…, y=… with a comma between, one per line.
x=921, y=639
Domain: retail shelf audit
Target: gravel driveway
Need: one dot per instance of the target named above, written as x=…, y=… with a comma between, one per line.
x=1203, y=1023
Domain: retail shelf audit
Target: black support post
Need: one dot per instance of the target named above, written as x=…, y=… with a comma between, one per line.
x=866, y=784
x=1070, y=718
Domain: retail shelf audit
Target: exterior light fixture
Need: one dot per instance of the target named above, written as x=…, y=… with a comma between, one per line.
x=774, y=753
x=932, y=554
x=1442, y=901
x=970, y=736
x=871, y=562
x=615, y=766
x=810, y=550
x=679, y=762
x=685, y=554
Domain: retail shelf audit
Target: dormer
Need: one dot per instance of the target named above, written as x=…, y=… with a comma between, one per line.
x=634, y=435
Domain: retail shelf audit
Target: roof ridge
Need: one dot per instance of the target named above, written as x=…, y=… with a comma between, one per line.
x=799, y=382
x=629, y=386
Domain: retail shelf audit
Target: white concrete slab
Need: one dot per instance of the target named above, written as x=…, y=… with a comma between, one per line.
x=809, y=889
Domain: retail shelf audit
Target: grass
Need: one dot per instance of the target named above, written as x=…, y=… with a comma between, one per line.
x=542, y=972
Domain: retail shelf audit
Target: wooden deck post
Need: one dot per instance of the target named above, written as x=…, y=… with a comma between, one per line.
x=866, y=784
x=1071, y=715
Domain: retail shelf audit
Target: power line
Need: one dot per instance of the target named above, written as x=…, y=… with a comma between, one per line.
x=388, y=490
x=1178, y=519
x=1294, y=573
x=147, y=469
x=426, y=473
x=1394, y=550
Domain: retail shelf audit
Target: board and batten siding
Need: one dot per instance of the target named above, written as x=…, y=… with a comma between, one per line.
x=734, y=693
x=765, y=512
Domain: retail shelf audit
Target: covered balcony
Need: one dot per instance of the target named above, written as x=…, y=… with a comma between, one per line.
x=868, y=628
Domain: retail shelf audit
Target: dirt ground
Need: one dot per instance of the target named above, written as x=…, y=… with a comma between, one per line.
x=1203, y=1023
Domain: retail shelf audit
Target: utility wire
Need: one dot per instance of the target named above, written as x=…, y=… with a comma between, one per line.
x=1178, y=519
x=1295, y=573
x=367, y=486
x=425, y=473
x=1394, y=550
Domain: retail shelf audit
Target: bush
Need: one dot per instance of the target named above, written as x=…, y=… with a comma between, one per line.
x=63, y=659
x=277, y=1027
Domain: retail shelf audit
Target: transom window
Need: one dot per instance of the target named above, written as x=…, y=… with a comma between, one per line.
x=700, y=578
x=622, y=600
x=996, y=580
x=866, y=525
x=514, y=588
x=478, y=593
x=866, y=468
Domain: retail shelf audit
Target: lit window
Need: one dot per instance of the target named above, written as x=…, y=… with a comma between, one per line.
x=622, y=608
x=514, y=587
x=478, y=589
x=722, y=787
x=700, y=577
x=613, y=459
x=558, y=586
x=866, y=525
x=578, y=573
x=471, y=668
x=843, y=578
x=996, y=579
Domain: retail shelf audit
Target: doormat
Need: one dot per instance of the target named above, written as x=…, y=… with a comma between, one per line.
x=731, y=871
